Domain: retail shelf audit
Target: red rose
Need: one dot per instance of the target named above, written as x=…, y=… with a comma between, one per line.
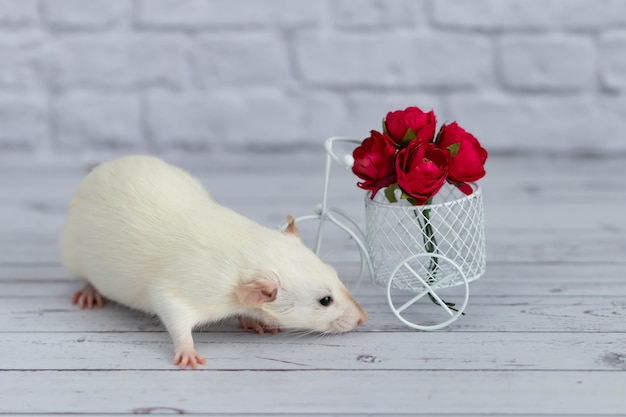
x=468, y=157
x=421, y=125
x=422, y=169
x=373, y=162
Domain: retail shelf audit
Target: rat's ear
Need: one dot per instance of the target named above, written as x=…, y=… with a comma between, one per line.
x=291, y=226
x=259, y=290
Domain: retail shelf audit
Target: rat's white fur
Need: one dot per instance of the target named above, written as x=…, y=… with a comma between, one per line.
x=147, y=235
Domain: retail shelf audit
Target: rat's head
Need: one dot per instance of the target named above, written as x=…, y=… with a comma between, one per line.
x=300, y=291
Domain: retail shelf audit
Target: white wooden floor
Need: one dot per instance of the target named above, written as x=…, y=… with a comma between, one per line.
x=544, y=334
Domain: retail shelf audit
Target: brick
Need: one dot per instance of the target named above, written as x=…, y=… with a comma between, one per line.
x=529, y=14
x=228, y=120
x=23, y=121
x=453, y=61
x=378, y=14
x=560, y=125
x=322, y=115
x=200, y=14
x=188, y=121
x=495, y=14
x=96, y=121
x=446, y=61
x=610, y=113
x=612, y=58
x=23, y=61
x=18, y=12
x=223, y=120
x=540, y=63
x=242, y=60
x=591, y=14
x=353, y=60
x=119, y=61
x=80, y=14
x=291, y=14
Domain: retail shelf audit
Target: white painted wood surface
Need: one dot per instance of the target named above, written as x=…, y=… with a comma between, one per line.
x=544, y=334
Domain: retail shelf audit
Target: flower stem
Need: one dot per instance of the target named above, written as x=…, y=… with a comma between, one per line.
x=430, y=244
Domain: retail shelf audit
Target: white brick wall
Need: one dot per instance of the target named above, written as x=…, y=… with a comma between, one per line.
x=91, y=77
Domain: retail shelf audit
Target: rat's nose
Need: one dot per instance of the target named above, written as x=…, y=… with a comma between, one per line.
x=362, y=319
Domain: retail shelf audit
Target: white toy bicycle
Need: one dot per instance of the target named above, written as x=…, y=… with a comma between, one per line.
x=422, y=250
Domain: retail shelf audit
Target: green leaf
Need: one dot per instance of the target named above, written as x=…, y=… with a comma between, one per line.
x=407, y=197
x=390, y=193
x=454, y=148
x=409, y=135
x=438, y=135
x=385, y=131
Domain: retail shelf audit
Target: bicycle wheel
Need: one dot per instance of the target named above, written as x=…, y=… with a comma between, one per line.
x=423, y=281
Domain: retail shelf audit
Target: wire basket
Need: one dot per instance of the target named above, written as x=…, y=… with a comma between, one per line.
x=449, y=233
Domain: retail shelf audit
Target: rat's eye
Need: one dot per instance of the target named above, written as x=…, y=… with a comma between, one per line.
x=326, y=301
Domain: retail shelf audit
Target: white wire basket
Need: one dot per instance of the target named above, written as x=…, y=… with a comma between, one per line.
x=452, y=228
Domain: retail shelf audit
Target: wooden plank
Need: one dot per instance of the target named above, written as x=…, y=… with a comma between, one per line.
x=360, y=392
x=480, y=289
x=536, y=171
x=500, y=217
x=522, y=179
x=169, y=410
x=515, y=186
x=484, y=314
x=166, y=410
x=32, y=271
x=489, y=286
x=299, y=191
x=298, y=186
x=574, y=272
x=358, y=351
x=529, y=246
x=561, y=228
x=500, y=280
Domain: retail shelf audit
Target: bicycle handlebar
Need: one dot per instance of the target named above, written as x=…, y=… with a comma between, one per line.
x=347, y=160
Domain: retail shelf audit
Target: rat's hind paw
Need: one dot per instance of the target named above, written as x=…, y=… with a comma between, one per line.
x=88, y=297
x=191, y=358
x=252, y=324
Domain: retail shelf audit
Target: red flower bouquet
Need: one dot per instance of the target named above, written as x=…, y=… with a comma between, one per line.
x=410, y=162
x=410, y=157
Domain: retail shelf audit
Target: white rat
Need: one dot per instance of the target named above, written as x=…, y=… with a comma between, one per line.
x=146, y=234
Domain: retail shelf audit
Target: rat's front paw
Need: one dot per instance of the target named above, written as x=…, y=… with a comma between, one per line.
x=88, y=297
x=252, y=324
x=190, y=357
